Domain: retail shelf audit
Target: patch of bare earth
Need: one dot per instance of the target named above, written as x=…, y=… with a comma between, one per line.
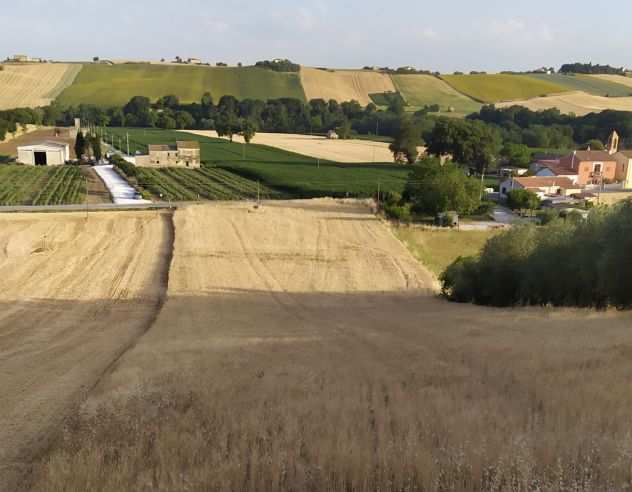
x=74, y=294
x=300, y=348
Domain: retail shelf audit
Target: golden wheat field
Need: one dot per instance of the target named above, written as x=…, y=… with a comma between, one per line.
x=617, y=79
x=300, y=346
x=34, y=85
x=344, y=85
x=579, y=103
x=350, y=151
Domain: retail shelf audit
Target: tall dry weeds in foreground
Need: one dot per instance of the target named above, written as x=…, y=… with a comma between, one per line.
x=367, y=438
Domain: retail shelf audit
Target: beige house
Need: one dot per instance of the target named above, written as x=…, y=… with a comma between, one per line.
x=541, y=186
x=183, y=154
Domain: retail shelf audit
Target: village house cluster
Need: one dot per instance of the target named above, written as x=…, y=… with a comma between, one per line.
x=604, y=175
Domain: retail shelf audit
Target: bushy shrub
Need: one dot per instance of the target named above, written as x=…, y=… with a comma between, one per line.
x=565, y=263
x=401, y=213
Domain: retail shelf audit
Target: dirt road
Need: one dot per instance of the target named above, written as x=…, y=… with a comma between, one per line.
x=74, y=294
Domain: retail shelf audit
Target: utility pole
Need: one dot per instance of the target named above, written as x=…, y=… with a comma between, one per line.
x=128, y=143
x=258, y=193
x=482, y=184
x=378, y=196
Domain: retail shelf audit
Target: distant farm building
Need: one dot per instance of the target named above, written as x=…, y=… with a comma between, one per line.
x=541, y=186
x=44, y=154
x=183, y=154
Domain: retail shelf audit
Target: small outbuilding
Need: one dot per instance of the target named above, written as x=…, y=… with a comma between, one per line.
x=44, y=154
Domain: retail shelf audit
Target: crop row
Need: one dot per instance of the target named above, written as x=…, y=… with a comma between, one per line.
x=23, y=185
x=207, y=183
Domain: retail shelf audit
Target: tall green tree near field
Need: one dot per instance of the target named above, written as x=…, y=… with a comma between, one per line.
x=516, y=154
x=433, y=187
x=406, y=141
x=95, y=144
x=522, y=200
x=248, y=129
x=471, y=143
x=80, y=145
x=344, y=130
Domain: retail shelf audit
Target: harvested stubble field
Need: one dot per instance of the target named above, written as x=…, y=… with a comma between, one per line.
x=344, y=85
x=318, y=147
x=617, y=79
x=74, y=294
x=34, y=85
x=588, y=83
x=578, y=103
x=300, y=349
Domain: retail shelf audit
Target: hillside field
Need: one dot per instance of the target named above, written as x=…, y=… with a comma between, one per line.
x=422, y=90
x=344, y=85
x=578, y=103
x=291, y=174
x=115, y=85
x=492, y=88
x=34, y=85
x=616, y=79
x=300, y=338
x=587, y=83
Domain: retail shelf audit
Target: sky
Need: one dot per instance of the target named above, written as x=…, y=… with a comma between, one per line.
x=444, y=35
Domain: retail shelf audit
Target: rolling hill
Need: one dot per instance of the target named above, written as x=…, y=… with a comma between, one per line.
x=588, y=83
x=578, y=103
x=344, y=85
x=422, y=90
x=33, y=85
x=111, y=85
x=492, y=88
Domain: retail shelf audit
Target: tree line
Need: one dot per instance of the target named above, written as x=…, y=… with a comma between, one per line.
x=565, y=263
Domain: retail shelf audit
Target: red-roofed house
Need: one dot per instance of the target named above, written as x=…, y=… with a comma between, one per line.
x=541, y=186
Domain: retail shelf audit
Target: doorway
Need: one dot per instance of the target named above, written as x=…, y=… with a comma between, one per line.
x=40, y=158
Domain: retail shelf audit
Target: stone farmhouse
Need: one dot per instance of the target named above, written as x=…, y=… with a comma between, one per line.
x=183, y=154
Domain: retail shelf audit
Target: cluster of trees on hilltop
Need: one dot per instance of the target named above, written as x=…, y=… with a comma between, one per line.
x=279, y=65
x=589, y=68
x=531, y=265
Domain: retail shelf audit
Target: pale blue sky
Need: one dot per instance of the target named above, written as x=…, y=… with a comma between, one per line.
x=441, y=35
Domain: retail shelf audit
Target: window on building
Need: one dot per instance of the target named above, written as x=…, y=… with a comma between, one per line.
x=597, y=167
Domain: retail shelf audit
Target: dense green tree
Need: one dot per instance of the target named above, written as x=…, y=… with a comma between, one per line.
x=95, y=145
x=521, y=199
x=248, y=129
x=433, y=187
x=406, y=141
x=516, y=155
x=80, y=145
x=344, y=130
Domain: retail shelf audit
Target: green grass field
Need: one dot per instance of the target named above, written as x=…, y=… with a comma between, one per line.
x=422, y=90
x=115, y=85
x=29, y=185
x=490, y=88
x=437, y=249
x=279, y=171
x=586, y=83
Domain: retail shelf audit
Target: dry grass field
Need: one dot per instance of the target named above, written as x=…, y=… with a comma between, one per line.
x=300, y=349
x=34, y=85
x=344, y=85
x=345, y=151
x=74, y=294
x=579, y=103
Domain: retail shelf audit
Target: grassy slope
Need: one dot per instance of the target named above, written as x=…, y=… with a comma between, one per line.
x=438, y=249
x=586, y=83
x=109, y=85
x=421, y=90
x=293, y=174
x=490, y=88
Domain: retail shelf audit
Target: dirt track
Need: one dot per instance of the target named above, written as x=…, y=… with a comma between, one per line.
x=73, y=296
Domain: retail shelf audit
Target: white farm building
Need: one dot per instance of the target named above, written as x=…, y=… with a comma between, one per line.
x=44, y=154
